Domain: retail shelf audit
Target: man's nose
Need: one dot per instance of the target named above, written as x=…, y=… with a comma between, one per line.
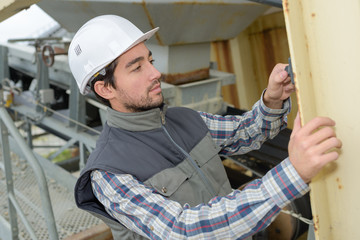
x=155, y=73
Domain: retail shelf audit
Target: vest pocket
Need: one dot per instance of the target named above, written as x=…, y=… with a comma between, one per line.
x=167, y=181
x=205, y=151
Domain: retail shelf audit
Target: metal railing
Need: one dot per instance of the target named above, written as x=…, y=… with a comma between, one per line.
x=7, y=127
x=12, y=140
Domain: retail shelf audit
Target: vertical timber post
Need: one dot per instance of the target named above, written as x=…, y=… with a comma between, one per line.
x=324, y=37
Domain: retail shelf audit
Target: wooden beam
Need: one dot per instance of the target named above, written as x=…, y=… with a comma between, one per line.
x=252, y=56
x=221, y=54
x=324, y=38
x=98, y=232
x=11, y=7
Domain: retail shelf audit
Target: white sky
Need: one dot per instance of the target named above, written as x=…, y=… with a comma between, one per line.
x=29, y=23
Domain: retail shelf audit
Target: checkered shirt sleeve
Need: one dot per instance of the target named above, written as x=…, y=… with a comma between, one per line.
x=235, y=216
x=243, y=133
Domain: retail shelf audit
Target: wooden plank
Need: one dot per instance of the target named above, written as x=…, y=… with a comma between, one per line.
x=221, y=54
x=247, y=86
x=98, y=232
x=324, y=38
x=253, y=54
x=269, y=46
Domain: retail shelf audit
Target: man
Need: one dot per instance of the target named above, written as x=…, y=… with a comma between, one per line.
x=156, y=173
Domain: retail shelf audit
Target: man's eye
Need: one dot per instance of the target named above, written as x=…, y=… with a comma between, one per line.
x=152, y=61
x=137, y=68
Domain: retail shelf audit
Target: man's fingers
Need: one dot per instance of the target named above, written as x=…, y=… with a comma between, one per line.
x=280, y=67
x=279, y=74
x=316, y=123
x=328, y=145
x=329, y=157
x=283, y=76
x=312, y=146
x=287, y=81
x=321, y=135
x=289, y=88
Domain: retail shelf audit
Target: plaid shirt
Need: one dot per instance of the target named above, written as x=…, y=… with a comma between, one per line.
x=235, y=216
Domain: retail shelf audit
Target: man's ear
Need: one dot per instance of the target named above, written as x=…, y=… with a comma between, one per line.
x=104, y=91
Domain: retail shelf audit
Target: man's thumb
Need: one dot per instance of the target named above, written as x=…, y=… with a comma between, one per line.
x=297, y=123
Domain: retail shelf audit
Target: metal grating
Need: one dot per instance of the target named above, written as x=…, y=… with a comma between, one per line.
x=69, y=219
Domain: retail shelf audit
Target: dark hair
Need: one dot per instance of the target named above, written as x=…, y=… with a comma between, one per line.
x=108, y=79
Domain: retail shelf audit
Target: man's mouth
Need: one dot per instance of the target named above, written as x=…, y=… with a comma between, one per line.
x=155, y=87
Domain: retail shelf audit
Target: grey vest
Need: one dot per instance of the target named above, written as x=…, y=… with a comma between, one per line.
x=170, y=150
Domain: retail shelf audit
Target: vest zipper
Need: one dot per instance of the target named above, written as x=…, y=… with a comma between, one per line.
x=191, y=160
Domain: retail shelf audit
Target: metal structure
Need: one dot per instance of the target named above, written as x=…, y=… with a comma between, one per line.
x=7, y=126
x=186, y=27
x=35, y=112
x=324, y=45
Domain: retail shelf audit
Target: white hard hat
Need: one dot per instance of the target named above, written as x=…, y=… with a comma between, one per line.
x=99, y=42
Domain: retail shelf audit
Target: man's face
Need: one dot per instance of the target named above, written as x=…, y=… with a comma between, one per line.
x=137, y=82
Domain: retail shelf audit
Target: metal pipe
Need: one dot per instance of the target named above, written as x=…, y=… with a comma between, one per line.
x=9, y=177
x=61, y=149
x=4, y=68
x=12, y=40
x=5, y=228
x=39, y=173
x=96, y=103
x=19, y=211
x=274, y=3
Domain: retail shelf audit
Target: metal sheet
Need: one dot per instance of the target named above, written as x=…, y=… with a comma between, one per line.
x=324, y=38
x=180, y=22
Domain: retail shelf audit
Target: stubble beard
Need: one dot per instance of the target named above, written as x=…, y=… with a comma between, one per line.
x=145, y=103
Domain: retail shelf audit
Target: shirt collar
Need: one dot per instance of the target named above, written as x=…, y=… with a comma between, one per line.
x=138, y=121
